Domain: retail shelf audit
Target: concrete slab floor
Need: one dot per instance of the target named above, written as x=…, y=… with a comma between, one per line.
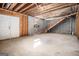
x=41, y=45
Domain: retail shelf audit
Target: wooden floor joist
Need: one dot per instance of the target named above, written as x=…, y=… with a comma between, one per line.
x=3, y=5
x=54, y=9
x=19, y=7
x=12, y=6
x=26, y=8
x=8, y=5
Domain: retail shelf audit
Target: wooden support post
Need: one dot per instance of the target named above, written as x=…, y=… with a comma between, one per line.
x=77, y=25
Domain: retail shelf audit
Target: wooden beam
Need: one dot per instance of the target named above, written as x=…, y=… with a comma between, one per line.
x=12, y=6
x=40, y=9
x=36, y=8
x=16, y=12
x=3, y=5
x=54, y=9
x=23, y=25
x=64, y=16
x=7, y=11
x=8, y=5
x=26, y=8
x=77, y=25
x=19, y=7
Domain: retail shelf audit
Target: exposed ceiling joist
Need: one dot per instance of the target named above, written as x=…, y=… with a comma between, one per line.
x=54, y=9
x=43, y=8
x=12, y=6
x=20, y=7
x=64, y=16
x=26, y=7
x=8, y=5
x=34, y=8
x=3, y=5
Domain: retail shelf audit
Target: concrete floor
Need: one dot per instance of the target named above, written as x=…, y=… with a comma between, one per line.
x=43, y=44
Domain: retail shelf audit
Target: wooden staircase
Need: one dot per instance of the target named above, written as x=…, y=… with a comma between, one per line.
x=58, y=22
x=53, y=25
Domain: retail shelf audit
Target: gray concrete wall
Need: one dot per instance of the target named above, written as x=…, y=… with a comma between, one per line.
x=67, y=27
x=36, y=30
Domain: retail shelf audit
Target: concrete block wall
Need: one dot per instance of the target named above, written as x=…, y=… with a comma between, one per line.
x=32, y=21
